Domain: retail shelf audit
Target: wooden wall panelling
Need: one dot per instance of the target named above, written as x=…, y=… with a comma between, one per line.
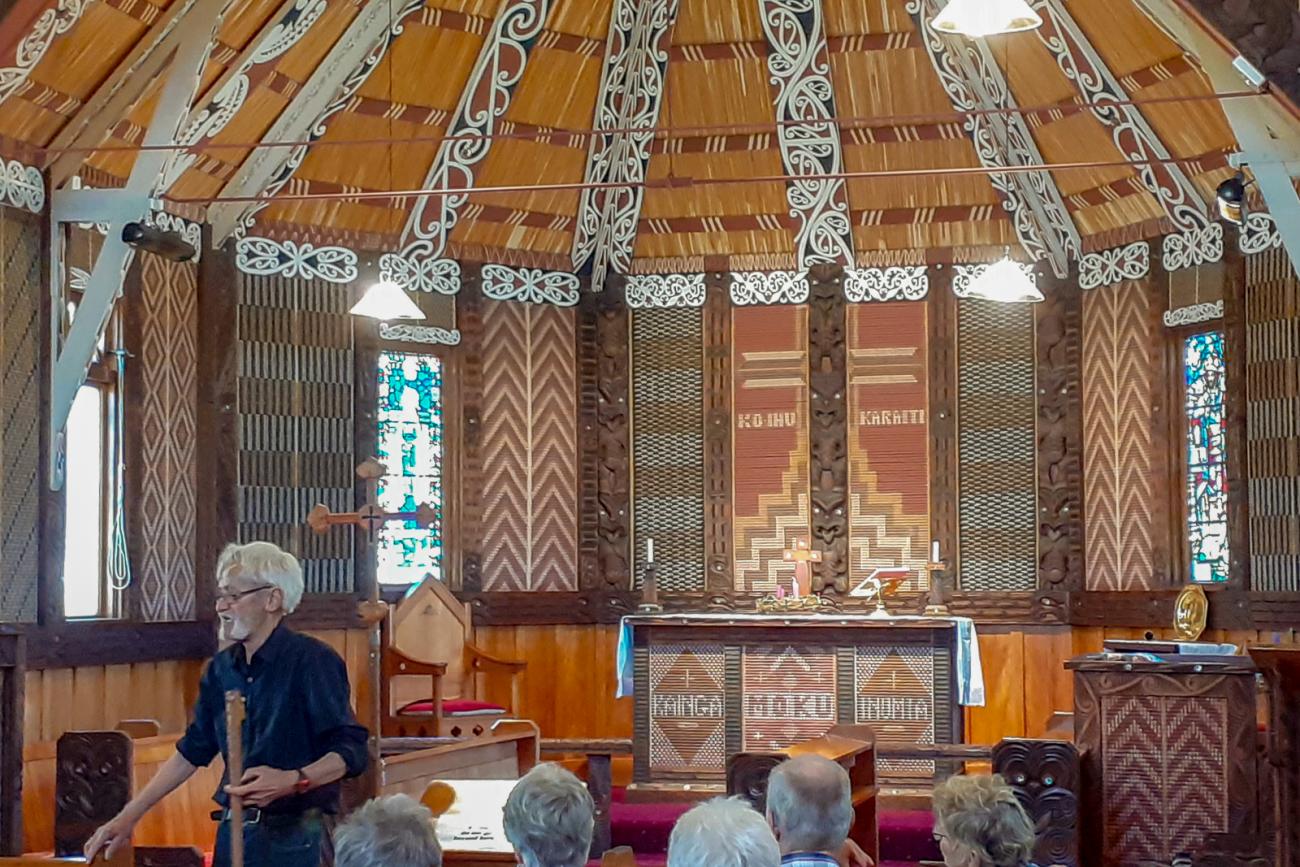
x=469, y=319
x=828, y=470
x=98, y=697
x=941, y=367
x=1272, y=362
x=1059, y=432
x=717, y=435
x=1236, y=354
x=22, y=473
x=1125, y=436
x=614, y=441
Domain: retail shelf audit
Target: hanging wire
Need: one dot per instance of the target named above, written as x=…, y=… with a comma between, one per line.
x=119, y=561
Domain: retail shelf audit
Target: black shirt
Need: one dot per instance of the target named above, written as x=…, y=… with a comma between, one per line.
x=297, y=711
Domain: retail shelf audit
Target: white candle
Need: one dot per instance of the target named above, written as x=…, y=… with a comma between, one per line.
x=649, y=551
x=934, y=551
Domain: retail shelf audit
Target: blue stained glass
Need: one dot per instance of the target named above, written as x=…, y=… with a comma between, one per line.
x=1207, y=479
x=410, y=445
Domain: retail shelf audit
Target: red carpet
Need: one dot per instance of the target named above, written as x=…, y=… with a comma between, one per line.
x=905, y=835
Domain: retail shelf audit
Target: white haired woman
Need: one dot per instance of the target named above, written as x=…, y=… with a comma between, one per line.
x=395, y=831
x=723, y=832
x=549, y=818
x=301, y=737
x=979, y=822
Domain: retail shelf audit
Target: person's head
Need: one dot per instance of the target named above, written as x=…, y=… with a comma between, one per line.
x=395, y=831
x=257, y=584
x=723, y=832
x=549, y=817
x=809, y=804
x=980, y=823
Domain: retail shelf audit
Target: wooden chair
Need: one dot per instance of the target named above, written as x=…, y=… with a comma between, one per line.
x=422, y=695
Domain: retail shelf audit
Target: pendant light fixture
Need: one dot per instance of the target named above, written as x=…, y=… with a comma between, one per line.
x=986, y=17
x=1004, y=281
x=386, y=301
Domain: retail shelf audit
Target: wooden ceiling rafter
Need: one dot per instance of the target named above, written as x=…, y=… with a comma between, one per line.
x=114, y=97
x=973, y=80
x=484, y=100
x=29, y=29
x=1130, y=131
x=348, y=64
x=630, y=95
x=811, y=154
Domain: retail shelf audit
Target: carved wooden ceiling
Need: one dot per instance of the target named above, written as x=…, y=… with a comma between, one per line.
x=634, y=135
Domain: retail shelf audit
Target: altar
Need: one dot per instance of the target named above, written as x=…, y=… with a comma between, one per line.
x=709, y=685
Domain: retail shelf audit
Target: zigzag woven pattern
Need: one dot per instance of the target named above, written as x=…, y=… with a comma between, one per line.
x=295, y=421
x=1122, y=465
x=1272, y=420
x=668, y=444
x=20, y=418
x=164, y=506
x=995, y=400
x=530, y=507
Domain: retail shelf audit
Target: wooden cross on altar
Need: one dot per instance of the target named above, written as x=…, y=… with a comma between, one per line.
x=802, y=557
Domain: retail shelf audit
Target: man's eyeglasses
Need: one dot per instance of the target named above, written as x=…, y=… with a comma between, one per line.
x=232, y=598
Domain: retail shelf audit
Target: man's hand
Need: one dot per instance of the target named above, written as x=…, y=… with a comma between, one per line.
x=851, y=855
x=262, y=785
x=110, y=837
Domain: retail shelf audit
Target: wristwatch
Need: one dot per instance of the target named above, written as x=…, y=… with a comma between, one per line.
x=303, y=783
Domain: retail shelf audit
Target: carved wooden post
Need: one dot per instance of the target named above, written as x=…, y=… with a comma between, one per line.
x=1235, y=360
x=829, y=433
x=469, y=319
x=613, y=435
x=718, y=542
x=941, y=322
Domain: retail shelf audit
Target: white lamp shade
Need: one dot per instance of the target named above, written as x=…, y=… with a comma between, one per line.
x=1006, y=281
x=386, y=301
x=986, y=17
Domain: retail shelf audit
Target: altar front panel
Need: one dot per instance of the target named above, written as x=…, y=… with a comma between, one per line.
x=707, y=689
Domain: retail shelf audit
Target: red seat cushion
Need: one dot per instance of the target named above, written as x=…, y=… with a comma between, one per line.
x=454, y=707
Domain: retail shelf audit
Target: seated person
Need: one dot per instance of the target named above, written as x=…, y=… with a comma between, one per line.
x=723, y=832
x=549, y=818
x=395, y=831
x=979, y=822
x=810, y=807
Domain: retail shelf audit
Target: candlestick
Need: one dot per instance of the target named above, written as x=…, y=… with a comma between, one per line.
x=649, y=551
x=934, y=551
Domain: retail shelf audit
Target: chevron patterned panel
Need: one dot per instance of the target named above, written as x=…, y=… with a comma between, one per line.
x=668, y=444
x=1273, y=420
x=295, y=421
x=530, y=451
x=506, y=421
x=687, y=708
x=164, y=508
x=1168, y=789
x=20, y=417
x=769, y=441
x=995, y=415
x=1123, y=461
x=889, y=449
x=790, y=694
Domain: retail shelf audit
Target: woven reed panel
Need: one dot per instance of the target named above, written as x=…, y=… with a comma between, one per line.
x=1123, y=447
x=668, y=445
x=893, y=692
x=789, y=695
x=20, y=413
x=995, y=416
x=163, y=507
x=1166, y=772
x=769, y=364
x=889, y=450
x=687, y=708
x=295, y=421
x=1273, y=420
x=530, y=447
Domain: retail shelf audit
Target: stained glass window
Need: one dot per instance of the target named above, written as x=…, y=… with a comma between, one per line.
x=1207, y=488
x=410, y=445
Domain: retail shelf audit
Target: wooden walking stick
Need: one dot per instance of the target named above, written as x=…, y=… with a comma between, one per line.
x=235, y=772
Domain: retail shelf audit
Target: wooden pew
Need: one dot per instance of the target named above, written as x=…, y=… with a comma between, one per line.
x=851, y=746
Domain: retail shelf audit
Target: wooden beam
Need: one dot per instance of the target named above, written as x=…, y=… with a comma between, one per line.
x=973, y=81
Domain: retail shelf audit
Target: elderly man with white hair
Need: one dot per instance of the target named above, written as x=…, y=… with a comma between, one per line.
x=394, y=831
x=549, y=818
x=810, y=808
x=300, y=736
x=723, y=832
